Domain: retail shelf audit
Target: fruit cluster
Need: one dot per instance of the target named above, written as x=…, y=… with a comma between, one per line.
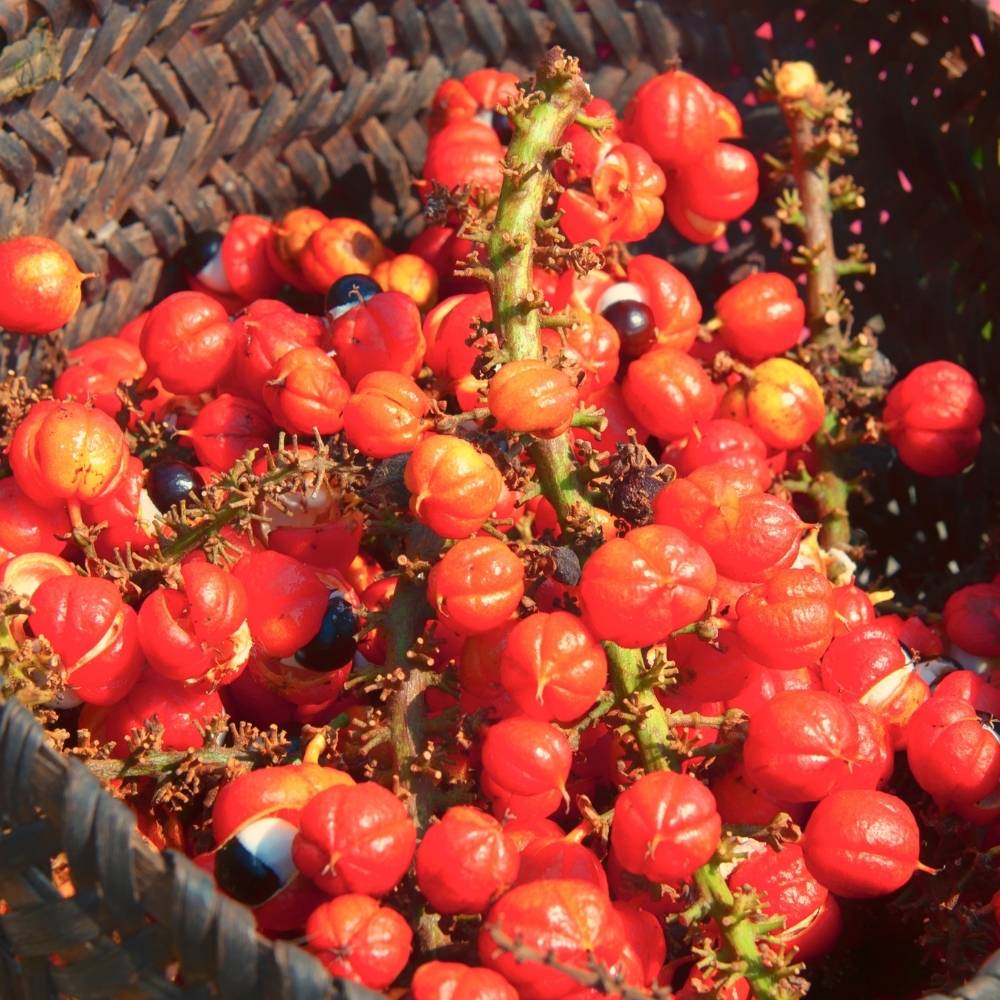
x=510, y=547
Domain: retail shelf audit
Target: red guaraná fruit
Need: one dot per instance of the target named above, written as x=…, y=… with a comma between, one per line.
x=558, y=857
x=227, y=428
x=306, y=393
x=552, y=667
x=721, y=442
x=666, y=825
x=669, y=392
x=188, y=342
x=40, y=285
x=95, y=370
x=721, y=184
x=531, y=397
x=355, y=937
x=861, y=844
x=465, y=152
x=800, y=745
x=455, y=981
x=526, y=763
x=932, y=418
x=199, y=632
x=761, y=316
x=386, y=415
x=465, y=861
x=571, y=920
x=94, y=634
x=28, y=527
x=638, y=589
x=972, y=618
x=787, y=622
x=355, y=838
x=953, y=756
x=477, y=585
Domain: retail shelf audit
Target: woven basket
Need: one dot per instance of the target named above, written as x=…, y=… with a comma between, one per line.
x=125, y=127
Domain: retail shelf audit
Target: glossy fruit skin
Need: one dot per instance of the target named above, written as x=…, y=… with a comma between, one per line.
x=873, y=762
x=195, y=633
x=168, y=482
x=571, y=919
x=454, y=488
x=447, y=328
x=355, y=838
x=635, y=325
x=592, y=345
x=386, y=414
x=40, y=285
x=645, y=937
x=245, y=258
x=800, y=745
x=672, y=298
x=226, y=428
x=26, y=526
x=479, y=672
x=476, y=95
x=286, y=601
x=721, y=441
x=94, y=633
x=710, y=672
x=62, y=451
x=954, y=758
x=465, y=861
x=669, y=392
x=762, y=316
x=740, y=801
x=179, y=708
x=465, y=152
x=411, y=275
x=861, y=844
x=638, y=589
x=95, y=370
x=749, y=536
x=552, y=667
x=382, y=334
x=721, y=184
x=932, y=417
x=188, y=342
x=665, y=826
x=338, y=247
x=455, y=981
x=355, y=937
x=868, y=665
x=674, y=116
x=853, y=608
x=526, y=763
x=477, y=585
x=693, y=227
x=306, y=393
x=288, y=239
x=785, y=403
x=787, y=621
x=557, y=857
x=530, y=397
x=972, y=618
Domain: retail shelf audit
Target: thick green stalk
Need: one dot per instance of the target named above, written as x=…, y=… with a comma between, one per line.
x=652, y=726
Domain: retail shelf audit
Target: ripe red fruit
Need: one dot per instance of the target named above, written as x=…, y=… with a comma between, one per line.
x=669, y=392
x=245, y=260
x=479, y=672
x=592, y=344
x=306, y=393
x=94, y=633
x=465, y=861
x=338, y=247
x=199, y=632
x=972, y=618
x=762, y=316
x=665, y=826
x=454, y=487
x=531, y=397
x=932, y=418
x=552, y=667
x=67, y=452
x=740, y=801
x=556, y=857
x=787, y=621
x=26, y=526
x=477, y=585
x=638, y=589
x=96, y=368
x=710, y=672
x=355, y=937
x=355, y=838
x=749, y=536
x=672, y=298
x=693, y=227
x=188, y=342
x=571, y=920
x=872, y=764
x=455, y=981
x=721, y=442
x=853, y=607
x=861, y=844
x=40, y=285
x=721, y=184
x=386, y=414
x=382, y=334
x=525, y=766
x=227, y=428
x=644, y=936
x=800, y=745
x=953, y=756
x=465, y=152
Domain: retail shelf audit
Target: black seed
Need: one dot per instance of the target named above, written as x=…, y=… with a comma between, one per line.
x=169, y=482
x=335, y=643
x=242, y=875
x=502, y=126
x=349, y=291
x=202, y=249
x=635, y=325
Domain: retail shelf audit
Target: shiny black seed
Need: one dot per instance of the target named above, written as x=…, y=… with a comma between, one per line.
x=502, y=126
x=349, y=291
x=202, y=249
x=635, y=325
x=335, y=643
x=169, y=482
x=244, y=876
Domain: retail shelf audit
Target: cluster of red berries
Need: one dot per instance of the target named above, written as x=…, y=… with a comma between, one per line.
x=833, y=691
